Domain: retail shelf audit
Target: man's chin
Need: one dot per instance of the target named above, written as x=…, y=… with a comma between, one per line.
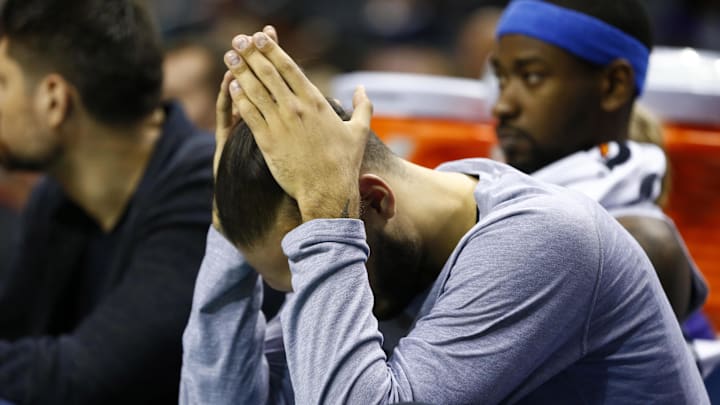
x=4, y=157
x=40, y=163
x=516, y=165
x=523, y=165
x=11, y=163
x=14, y=166
x=282, y=285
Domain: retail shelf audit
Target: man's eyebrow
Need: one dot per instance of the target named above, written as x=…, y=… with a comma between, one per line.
x=530, y=60
x=519, y=63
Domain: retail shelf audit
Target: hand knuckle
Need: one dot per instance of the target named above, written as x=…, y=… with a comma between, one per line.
x=320, y=104
x=266, y=70
x=296, y=109
x=285, y=66
x=244, y=107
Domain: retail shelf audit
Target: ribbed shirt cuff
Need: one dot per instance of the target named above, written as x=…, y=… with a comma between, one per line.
x=342, y=230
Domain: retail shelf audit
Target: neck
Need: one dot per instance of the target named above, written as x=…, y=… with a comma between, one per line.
x=444, y=214
x=102, y=166
x=614, y=126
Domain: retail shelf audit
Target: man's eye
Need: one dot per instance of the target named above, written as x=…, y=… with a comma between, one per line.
x=533, y=78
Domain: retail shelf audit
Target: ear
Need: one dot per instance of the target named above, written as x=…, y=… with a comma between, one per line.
x=618, y=85
x=53, y=100
x=376, y=195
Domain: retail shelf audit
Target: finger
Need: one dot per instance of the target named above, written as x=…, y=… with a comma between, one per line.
x=251, y=86
x=270, y=31
x=223, y=118
x=223, y=110
x=249, y=112
x=235, y=113
x=266, y=72
x=362, y=112
x=288, y=69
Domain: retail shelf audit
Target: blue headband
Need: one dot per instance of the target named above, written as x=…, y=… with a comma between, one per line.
x=583, y=36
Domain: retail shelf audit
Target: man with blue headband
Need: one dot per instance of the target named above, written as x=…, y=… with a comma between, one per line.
x=569, y=73
x=524, y=292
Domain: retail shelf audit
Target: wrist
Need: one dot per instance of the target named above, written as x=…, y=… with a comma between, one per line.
x=325, y=206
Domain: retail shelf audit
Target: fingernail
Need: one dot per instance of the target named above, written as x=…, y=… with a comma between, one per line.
x=234, y=87
x=240, y=42
x=260, y=39
x=232, y=58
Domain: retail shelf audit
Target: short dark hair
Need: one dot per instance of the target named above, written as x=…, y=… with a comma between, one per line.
x=108, y=49
x=629, y=16
x=247, y=197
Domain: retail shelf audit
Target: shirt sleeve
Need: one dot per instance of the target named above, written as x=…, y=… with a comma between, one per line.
x=502, y=311
x=230, y=356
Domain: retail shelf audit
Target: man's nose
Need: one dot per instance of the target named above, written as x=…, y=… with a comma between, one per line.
x=507, y=105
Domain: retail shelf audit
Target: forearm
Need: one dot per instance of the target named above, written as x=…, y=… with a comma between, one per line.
x=16, y=371
x=223, y=359
x=332, y=340
x=43, y=370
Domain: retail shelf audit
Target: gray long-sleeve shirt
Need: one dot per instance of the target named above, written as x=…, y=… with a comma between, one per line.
x=545, y=300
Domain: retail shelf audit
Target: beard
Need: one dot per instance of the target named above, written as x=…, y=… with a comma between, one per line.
x=4, y=156
x=394, y=273
x=25, y=165
x=12, y=162
x=520, y=149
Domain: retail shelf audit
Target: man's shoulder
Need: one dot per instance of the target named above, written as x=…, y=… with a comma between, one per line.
x=543, y=226
x=552, y=219
x=503, y=191
x=539, y=226
x=182, y=157
x=181, y=143
x=179, y=176
x=499, y=183
x=46, y=197
x=195, y=153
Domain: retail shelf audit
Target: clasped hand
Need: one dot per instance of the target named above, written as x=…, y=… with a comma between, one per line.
x=312, y=153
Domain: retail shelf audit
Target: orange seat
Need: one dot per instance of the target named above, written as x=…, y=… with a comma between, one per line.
x=694, y=202
x=429, y=142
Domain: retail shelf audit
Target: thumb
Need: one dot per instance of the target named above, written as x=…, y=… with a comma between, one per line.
x=362, y=112
x=223, y=105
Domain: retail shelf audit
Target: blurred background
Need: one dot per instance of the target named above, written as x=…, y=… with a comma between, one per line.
x=450, y=37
